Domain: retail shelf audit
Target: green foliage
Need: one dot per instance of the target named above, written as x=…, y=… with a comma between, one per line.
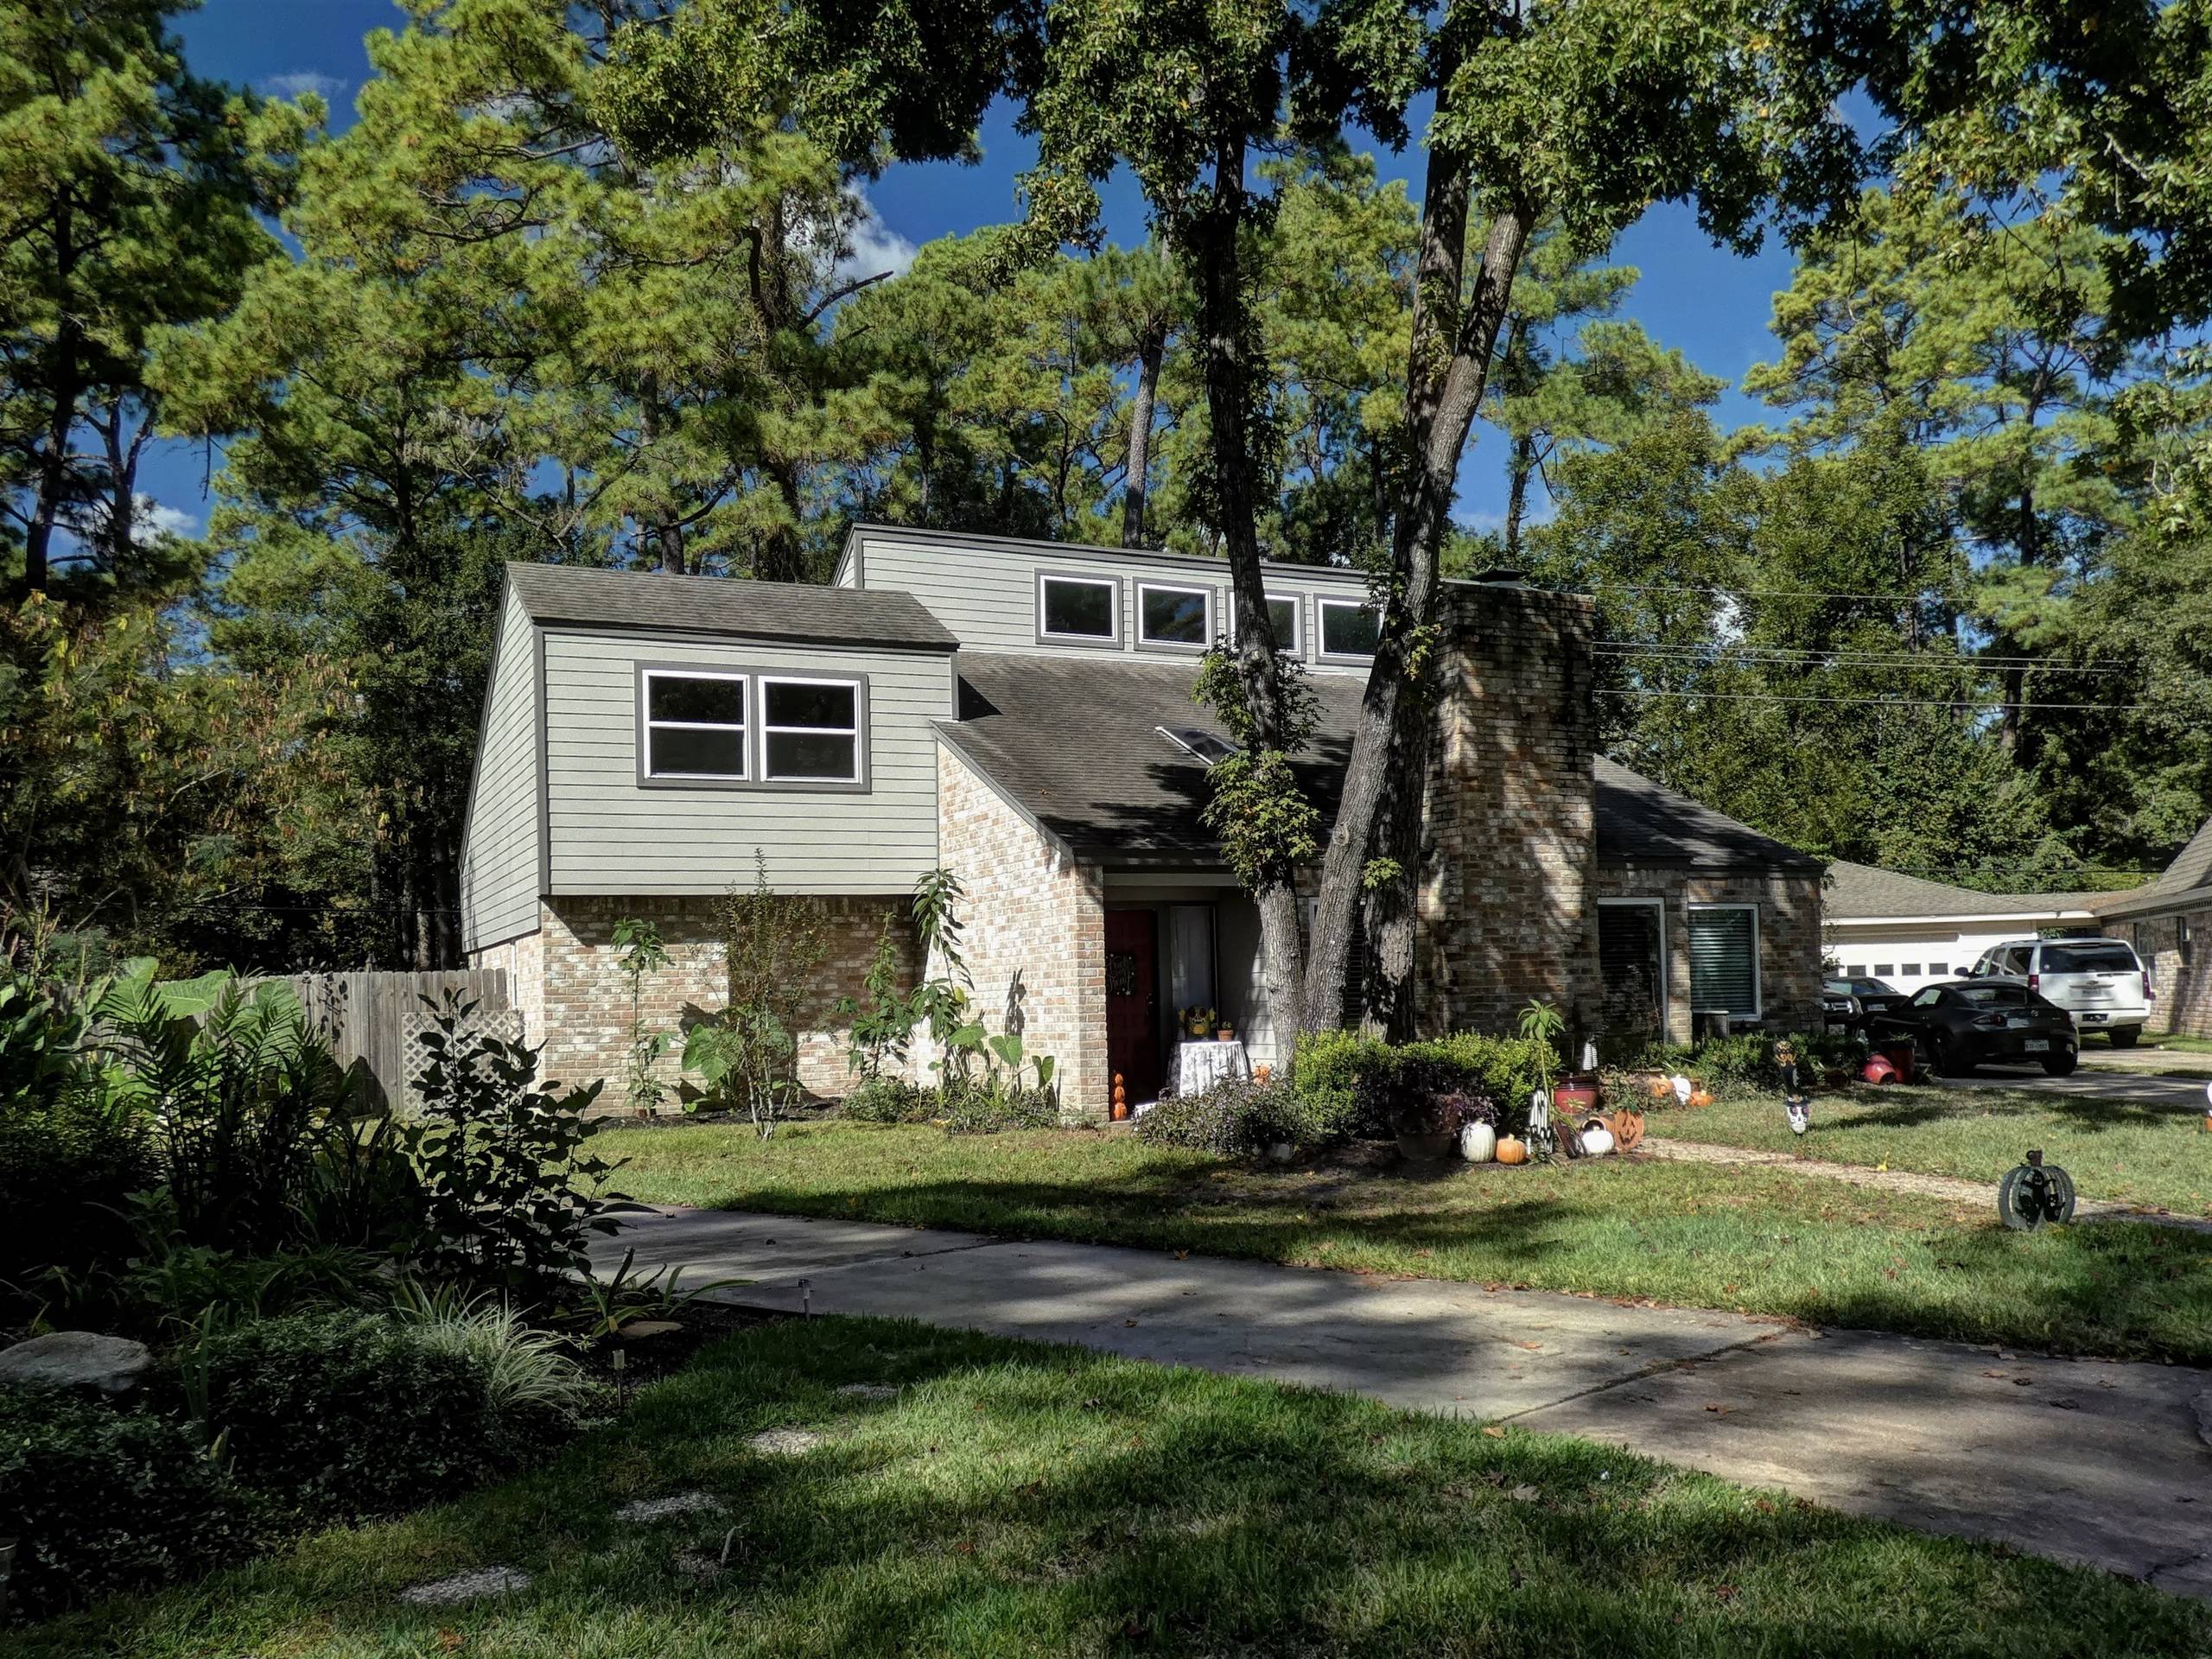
x=527, y=1374
x=994, y=1106
x=1744, y=1062
x=1240, y=1118
x=639, y=951
x=101, y=1500
x=878, y=1030
x=1362, y=1085
x=511, y=1192
x=1255, y=804
x=331, y=1415
x=747, y=1054
x=889, y=1100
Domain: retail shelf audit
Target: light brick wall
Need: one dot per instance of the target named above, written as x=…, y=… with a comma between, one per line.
x=1034, y=932
x=586, y=1000
x=525, y=960
x=1789, y=935
x=2182, y=989
x=1509, y=854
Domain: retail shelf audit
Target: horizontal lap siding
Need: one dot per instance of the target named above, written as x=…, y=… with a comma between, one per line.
x=987, y=595
x=499, y=860
x=612, y=836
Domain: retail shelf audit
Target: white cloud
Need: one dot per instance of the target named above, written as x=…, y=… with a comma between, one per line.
x=150, y=521
x=876, y=248
x=326, y=87
x=162, y=520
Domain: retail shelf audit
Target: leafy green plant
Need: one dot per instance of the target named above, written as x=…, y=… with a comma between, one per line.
x=103, y=1500
x=973, y=1110
x=603, y=1307
x=640, y=951
x=878, y=1029
x=940, y=1001
x=747, y=1054
x=1237, y=1117
x=889, y=1100
x=511, y=1192
x=522, y=1370
x=1542, y=1025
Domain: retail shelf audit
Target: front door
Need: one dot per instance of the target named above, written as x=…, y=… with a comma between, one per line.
x=1131, y=1004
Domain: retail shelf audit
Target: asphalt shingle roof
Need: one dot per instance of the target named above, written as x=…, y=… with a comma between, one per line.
x=1075, y=743
x=2189, y=876
x=1862, y=890
x=804, y=612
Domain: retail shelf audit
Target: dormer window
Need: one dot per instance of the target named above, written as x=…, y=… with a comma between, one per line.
x=1174, y=618
x=1079, y=610
x=1350, y=629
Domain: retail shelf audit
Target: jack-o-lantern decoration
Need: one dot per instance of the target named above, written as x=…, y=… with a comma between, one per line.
x=1512, y=1149
x=1628, y=1129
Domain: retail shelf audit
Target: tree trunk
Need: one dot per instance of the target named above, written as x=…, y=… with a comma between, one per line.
x=1227, y=331
x=53, y=471
x=1151, y=350
x=1450, y=362
x=1519, y=465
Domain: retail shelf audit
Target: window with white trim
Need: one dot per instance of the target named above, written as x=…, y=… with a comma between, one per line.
x=1724, y=960
x=1174, y=616
x=1350, y=629
x=695, y=724
x=1080, y=610
x=1283, y=621
x=810, y=730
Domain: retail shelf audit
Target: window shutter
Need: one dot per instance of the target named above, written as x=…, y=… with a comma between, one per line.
x=1724, y=945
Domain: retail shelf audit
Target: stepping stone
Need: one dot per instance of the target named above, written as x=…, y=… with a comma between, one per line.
x=784, y=1442
x=645, y=1328
x=467, y=1586
x=646, y=1510
x=868, y=1390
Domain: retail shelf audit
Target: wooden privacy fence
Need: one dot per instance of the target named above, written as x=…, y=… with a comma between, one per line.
x=378, y=1017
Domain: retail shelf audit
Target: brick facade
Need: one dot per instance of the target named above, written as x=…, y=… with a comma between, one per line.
x=2181, y=976
x=1789, y=935
x=1034, y=935
x=576, y=1002
x=1509, y=857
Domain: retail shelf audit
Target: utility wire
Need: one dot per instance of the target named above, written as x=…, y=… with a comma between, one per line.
x=1716, y=652
x=1962, y=700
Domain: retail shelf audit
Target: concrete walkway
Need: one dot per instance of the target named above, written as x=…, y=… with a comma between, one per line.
x=2181, y=1094
x=2096, y=1462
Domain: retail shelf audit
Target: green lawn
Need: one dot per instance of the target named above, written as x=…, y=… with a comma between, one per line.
x=1757, y=1240
x=1015, y=1499
x=2146, y=1154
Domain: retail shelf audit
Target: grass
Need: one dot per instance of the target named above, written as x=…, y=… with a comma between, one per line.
x=2143, y=1153
x=1755, y=1240
x=1019, y=1499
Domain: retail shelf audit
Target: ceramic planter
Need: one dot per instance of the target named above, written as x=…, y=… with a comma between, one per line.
x=1575, y=1097
x=1478, y=1143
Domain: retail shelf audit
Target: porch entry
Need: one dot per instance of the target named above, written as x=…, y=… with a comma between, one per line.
x=1632, y=967
x=1146, y=945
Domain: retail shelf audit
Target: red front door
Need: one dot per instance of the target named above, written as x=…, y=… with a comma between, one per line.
x=1132, y=1005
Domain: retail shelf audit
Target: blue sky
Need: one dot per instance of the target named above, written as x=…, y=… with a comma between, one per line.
x=1710, y=303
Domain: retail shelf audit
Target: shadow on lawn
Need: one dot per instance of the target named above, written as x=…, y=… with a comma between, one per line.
x=2082, y=1114
x=1017, y=1497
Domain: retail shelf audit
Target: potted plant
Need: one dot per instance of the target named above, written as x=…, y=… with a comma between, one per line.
x=1225, y=1032
x=1427, y=1124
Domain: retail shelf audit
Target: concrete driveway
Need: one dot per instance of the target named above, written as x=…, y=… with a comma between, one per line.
x=2096, y=1462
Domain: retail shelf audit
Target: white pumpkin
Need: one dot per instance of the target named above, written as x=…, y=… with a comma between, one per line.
x=1596, y=1143
x=1478, y=1143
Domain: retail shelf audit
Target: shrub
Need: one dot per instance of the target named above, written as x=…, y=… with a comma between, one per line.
x=500, y=1161
x=526, y=1374
x=104, y=1501
x=1364, y=1086
x=889, y=1100
x=1744, y=1061
x=977, y=1111
x=1237, y=1117
x=340, y=1415
x=66, y=1172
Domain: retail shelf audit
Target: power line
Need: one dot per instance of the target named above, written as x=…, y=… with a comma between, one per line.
x=1962, y=700
x=1924, y=597
x=1812, y=654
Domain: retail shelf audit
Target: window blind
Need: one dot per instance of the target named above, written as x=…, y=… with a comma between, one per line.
x=1724, y=956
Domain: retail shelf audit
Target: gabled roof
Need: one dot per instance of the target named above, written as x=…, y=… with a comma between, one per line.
x=1862, y=892
x=1643, y=822
x=647, y=601
x=2189, y=877
x=1074, y=744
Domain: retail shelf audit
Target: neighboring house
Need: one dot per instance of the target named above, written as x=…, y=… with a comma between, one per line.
x=2169, y=921
x=1020, y=713
x=1910, y=932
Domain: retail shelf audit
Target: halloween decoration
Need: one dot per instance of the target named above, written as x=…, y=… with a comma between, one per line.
x=1511, y=1149
x=1628, y=1129
x=1794, y=1104
x=1544, y=1143
x=2032, y=1193
x=1701, y=1098
x=1596, y=1138
x=1683, y=1088
x=1478, y=1143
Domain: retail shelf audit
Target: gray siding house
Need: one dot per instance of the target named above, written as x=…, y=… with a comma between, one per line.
x=1020, y=712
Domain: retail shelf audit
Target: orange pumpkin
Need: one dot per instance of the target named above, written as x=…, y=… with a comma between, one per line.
x=1661, y=1088
x=1701, y=1098
x=1511, y=1149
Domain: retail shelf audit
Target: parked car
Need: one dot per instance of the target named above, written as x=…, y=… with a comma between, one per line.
x=1963, y=1024
x=2102, y=983
x=1847, y=1002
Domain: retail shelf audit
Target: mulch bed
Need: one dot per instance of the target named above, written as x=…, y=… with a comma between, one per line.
x=647, y=1359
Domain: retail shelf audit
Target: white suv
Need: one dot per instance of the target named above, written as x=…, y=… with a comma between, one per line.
x=2099, y=983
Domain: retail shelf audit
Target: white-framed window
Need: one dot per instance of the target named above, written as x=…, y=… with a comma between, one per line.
x=811, y=729
x=1174, y=616
x=1724, y=960
x=1287, y=620
x=1347, y=629
x=751, y=728
x=695, y=725
x=1076, y=610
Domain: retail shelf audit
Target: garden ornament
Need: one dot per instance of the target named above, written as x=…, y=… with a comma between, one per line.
x=2032, y=1193
x=1794, y=1100
x=1681, y=1086
x=1543, y=1143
